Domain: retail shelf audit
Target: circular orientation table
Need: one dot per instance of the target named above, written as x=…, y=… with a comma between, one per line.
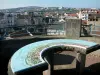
x=31, y=55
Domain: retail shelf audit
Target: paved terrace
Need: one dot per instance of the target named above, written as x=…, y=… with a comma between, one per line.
x=93, y=39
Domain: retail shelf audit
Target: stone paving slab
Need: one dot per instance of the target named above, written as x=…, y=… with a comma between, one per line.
x=93, y=39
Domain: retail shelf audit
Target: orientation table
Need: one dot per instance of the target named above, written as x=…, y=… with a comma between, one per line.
x=32, y=55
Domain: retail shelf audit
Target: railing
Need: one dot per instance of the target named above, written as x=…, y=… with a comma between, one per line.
x=95, y=30
x=90, y=30
x=50, y=30
x=85, y=30
x=43, y=29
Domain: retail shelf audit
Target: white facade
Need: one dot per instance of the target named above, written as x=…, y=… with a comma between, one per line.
x=83, y=16
x=10, y=19
x=3, y=23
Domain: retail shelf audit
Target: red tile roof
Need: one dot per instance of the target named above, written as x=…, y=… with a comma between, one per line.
x=73, y=15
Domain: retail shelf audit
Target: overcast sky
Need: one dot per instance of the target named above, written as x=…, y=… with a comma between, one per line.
x=66, y=3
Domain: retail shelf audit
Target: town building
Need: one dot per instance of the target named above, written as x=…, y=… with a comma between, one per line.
x=62, y=18
x=36, y=18
x=89, y=16
x=23, y=20
x=83, y=13
x=94, y=19
x=2, y=20
x=1, y=15
x=10, y=19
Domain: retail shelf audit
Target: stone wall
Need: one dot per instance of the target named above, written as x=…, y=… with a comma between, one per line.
x=73, y=27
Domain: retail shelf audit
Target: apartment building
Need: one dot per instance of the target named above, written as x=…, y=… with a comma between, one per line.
x=94, y=19
x=90, y=16
x=2, y=20
x=84, y=13
x=23, y=19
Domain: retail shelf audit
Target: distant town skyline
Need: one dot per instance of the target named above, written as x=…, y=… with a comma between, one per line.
x=5, y=4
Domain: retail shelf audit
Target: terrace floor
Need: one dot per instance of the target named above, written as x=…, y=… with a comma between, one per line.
x=92, y=66
x=93, y=39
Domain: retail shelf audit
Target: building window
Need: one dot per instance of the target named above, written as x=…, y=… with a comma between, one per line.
x=89, y=14
x=90, y=19
x=82, y=14
x=83, y=18
x=8, y=22
x=96, y=19
x=93, y=19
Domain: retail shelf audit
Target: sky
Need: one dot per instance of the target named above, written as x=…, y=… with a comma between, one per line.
x=50, y=3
